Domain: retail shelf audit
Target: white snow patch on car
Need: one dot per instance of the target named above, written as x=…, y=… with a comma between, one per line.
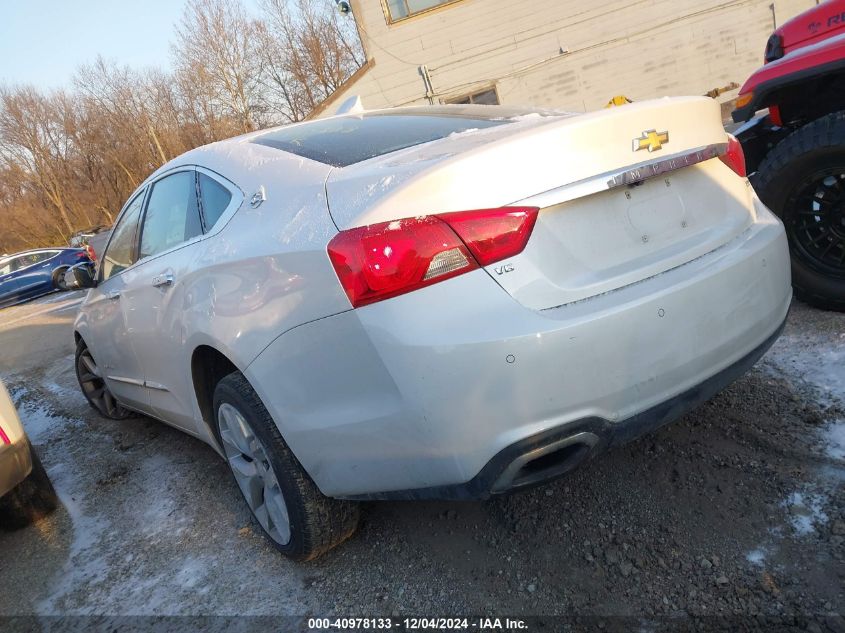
x=466, y=132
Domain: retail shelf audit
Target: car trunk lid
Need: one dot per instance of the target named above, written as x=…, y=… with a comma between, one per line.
x=625, y=193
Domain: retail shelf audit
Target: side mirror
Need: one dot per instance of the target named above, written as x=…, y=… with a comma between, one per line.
x=80, y=276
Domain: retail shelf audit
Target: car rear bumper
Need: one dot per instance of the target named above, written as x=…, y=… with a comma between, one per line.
x=550, y=454
x=437, y=393
x=15, y=464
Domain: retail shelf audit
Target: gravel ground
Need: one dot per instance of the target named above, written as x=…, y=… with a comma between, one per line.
x=738, y=509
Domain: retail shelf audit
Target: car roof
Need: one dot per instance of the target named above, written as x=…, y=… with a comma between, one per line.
x=38, y=250
x=248, y=164
x=239, y=147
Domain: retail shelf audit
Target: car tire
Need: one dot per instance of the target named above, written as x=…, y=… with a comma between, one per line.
x=31, y=500
x=94, y=387
x=59, y=278
x=273, y=482
x=811, y=159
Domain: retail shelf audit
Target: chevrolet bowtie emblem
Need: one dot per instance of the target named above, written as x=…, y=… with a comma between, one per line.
x=651, y=140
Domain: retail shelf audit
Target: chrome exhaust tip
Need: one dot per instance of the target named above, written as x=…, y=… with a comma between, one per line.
x=546, y=462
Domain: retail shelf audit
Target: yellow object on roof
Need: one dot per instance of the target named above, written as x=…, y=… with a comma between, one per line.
x=618, y=100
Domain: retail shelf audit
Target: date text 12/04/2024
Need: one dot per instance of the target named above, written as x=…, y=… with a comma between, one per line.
x=417, y=624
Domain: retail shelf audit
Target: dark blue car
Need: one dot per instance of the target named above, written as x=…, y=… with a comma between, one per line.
x=27, y=275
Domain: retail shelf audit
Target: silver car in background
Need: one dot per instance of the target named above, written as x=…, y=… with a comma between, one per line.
x=441, y=302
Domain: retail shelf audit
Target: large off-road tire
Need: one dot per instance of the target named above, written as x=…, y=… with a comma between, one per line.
x=59, y=278
x=94, y=387
x=31, y=500
x=295, y=516
x=802, y=180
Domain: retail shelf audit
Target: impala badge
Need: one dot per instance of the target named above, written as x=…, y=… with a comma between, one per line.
x=652, y=140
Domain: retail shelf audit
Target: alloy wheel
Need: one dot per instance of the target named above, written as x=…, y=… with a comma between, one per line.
x=94, y=387
x=254, y=473
x=816, y=224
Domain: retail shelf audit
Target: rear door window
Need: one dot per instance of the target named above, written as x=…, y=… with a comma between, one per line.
x=172, y=215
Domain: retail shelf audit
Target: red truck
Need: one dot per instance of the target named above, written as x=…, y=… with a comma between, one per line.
x=794, y=141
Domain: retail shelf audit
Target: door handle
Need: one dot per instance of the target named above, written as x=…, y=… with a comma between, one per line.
x=164, y=279
x=113, y=294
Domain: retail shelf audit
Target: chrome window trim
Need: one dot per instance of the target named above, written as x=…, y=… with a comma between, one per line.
x=147, y=187
x=625, y=176
x=235, y=203
x=151, y=185
x=142, y=191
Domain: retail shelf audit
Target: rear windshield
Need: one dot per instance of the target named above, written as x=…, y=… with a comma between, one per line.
x=348, y=140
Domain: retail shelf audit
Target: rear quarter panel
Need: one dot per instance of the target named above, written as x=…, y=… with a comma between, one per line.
x=266, y=271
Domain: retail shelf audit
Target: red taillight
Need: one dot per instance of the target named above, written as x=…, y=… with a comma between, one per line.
x=734, y=157
x=4, y=439
x=493, y=234
x=384, y=260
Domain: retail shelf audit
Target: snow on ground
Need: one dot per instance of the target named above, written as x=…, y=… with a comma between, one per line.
x=56, y=379
x=813, y=363
x=38, y=419
x=817, y=363
x=834, y=440
x=756, y=556
x=806, y=512
x=84, y=563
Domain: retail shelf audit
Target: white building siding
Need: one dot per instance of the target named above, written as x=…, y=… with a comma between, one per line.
x=640, y=48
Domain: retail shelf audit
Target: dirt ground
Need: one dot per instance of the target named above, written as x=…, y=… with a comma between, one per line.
x=737, y=510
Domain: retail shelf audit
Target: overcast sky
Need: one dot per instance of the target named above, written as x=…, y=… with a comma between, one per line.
x=43, y=41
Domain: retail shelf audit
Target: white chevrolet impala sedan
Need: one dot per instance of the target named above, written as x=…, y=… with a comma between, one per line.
x=440, y=302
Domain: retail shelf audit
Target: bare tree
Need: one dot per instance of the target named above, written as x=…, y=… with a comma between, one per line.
x=308, y=51
x=215, y=48
x=33, y=140
x=69, y=159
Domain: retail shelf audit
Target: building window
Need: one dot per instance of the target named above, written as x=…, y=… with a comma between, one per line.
x=485, y=97
x=401, y=9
